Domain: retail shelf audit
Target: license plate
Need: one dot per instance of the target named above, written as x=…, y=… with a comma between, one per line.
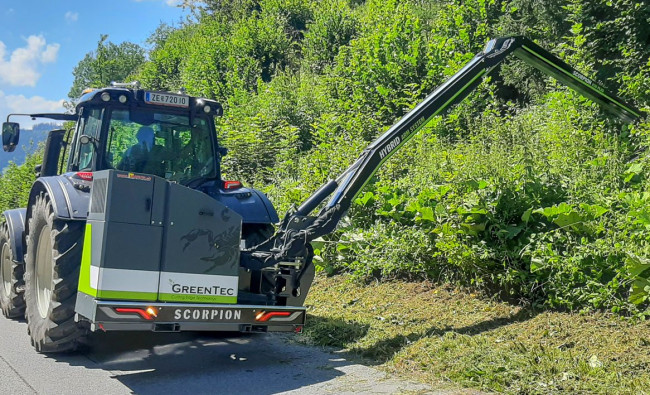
x=166, y=99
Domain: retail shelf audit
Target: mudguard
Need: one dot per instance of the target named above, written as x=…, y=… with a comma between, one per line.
x=68, y=202
x=251, y=204
x=16, y=222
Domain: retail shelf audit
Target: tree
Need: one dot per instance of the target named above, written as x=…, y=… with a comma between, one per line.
x=109, y=62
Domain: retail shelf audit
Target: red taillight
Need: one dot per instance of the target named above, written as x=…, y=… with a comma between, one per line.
x=232, y=185
x=142, y=312
x=84, y=175
x=264, y=316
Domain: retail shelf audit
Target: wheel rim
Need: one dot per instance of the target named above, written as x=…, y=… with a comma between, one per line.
x=5, y=273
x=44, y=272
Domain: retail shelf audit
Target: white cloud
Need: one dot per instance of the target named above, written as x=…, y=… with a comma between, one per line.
x=27, y=105
x=21, y=69
x=71, y=16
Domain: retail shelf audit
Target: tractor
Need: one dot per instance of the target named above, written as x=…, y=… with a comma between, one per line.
x=131, y=226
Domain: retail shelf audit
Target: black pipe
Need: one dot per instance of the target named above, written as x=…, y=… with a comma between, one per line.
x=317, y=198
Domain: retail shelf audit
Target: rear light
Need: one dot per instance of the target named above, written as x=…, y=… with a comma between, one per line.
x=230, y=185
x=142, y=312
x=84, y=175
x=152, y=311
x=264, y=316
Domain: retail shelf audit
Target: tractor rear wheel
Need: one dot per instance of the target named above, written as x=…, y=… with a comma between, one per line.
x=254, y=234
x=12, y=302
x=52, y=261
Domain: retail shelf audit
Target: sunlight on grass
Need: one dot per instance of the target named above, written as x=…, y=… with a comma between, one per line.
x=442, y=335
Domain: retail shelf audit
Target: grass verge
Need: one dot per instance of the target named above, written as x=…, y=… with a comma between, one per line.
x=448, y=337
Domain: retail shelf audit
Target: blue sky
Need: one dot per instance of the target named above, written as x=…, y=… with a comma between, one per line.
x=42, y=41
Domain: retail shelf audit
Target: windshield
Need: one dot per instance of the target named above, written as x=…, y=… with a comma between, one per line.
x=165, y=145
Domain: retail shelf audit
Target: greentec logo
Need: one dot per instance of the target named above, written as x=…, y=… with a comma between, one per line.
x=202, y=290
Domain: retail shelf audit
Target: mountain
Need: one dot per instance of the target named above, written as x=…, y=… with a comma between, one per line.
x=29, y=142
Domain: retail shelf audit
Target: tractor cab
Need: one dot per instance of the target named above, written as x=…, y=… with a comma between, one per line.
x=168, y=135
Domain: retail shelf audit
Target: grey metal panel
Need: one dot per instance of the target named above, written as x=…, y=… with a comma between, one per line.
x=97, y=242
x=85, y=306
x=202, y=236
x=16, y=223
x=159, y=201
x=131, y=246
x=129, y=198
x=98, y=196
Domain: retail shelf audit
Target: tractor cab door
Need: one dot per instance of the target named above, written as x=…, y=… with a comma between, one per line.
x=84, y=150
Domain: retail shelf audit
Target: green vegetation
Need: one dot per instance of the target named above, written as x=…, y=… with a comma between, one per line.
x=16, y=181
x=449, y=337
x=109, y=62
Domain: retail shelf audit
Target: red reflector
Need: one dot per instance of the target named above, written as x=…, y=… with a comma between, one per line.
x=143, y=313
x=232, y=185
x=264, y=316
x=84, y=175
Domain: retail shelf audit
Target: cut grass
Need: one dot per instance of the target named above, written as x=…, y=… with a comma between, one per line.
x=444, y=336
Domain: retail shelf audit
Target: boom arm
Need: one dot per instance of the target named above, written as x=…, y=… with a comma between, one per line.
x=297, y=229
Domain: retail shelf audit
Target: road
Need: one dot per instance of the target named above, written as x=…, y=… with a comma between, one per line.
x=155, y=363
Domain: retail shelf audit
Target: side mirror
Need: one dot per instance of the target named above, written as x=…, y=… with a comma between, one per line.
x=84, y=139
x=10, y=136
x=222, y=151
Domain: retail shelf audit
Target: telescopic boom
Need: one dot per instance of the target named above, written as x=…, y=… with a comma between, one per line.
x=297, y=229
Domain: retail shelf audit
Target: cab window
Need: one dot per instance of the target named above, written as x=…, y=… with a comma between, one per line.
x=165, y=145
x=89, y=125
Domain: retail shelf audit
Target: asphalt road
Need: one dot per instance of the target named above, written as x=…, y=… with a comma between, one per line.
x=190, y=363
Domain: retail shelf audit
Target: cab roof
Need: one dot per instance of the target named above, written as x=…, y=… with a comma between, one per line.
x=120, y=96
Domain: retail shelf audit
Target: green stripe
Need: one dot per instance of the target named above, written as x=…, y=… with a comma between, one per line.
x=444, y=106
x=86, y=261
x=579, y=80
x=124, y=295
x=198, y=298
x=130, y=295
x=149, y=296
x=426, y=121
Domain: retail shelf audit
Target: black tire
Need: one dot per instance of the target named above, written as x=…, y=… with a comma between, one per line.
x=55, y=245
x=12, y=302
